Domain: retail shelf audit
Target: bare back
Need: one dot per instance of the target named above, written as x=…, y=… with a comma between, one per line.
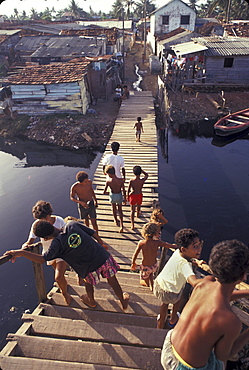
x=116, y=185
x=203, y=327
x=149, y=248
x=136, y=185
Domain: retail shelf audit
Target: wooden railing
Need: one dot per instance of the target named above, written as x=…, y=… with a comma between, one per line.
x=38, y=272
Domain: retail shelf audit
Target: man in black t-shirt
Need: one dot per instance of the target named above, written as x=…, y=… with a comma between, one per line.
x=75, y=245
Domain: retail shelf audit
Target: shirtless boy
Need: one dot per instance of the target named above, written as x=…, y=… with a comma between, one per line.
x=82, y=193
x=208, y=332
x=139, y=128
x=134, y=193
x=116, y=185
x=149, y=248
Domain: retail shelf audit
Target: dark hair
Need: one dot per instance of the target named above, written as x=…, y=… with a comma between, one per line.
x=184, y=237
x=229, y=261
x=139, y=119
x=115, y=146
x=81, y=176
x=137, y=170
x=42, y=209
x=110, y=170
x=43, y=229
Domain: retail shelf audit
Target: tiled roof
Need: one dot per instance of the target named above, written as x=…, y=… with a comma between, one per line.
x=237, y=29
x=110, y=33
x=165, y=36
x=229, y=46
x=50, y=74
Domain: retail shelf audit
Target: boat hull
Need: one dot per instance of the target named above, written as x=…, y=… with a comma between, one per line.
x=232, y=123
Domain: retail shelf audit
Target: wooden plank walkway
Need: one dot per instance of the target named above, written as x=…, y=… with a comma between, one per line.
x=55, y=336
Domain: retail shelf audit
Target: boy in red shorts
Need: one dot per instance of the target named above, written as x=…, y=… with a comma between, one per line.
x=134, y=193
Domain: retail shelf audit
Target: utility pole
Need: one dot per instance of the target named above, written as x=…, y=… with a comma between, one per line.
x=123, y=53
x=144, y=56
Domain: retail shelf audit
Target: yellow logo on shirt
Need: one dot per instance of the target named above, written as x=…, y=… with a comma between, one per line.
x=74, y=240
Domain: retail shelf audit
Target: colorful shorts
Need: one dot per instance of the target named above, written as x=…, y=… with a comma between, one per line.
x=135, y=199
x=116, y=198
x=107, y=270
x=90, y=211
x=170, y=359
x=146, y=271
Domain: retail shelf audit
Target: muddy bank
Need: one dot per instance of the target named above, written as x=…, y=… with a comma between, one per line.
x=190, y=107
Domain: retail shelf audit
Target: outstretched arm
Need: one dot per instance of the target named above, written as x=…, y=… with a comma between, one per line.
x=237, y=294
x=99, y=240
x=23, y=253
x=167, y=245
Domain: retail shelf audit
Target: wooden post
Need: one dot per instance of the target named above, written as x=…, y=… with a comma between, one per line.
x=39, y=277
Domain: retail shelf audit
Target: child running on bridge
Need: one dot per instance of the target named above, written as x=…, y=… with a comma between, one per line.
x=116, y=198
x=134, y=192
x=208, y=332
x=171, y=281
x=88, y=257
x=139, y=128
x=149, y=248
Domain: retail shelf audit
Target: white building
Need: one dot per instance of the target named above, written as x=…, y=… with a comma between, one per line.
x=169, y=17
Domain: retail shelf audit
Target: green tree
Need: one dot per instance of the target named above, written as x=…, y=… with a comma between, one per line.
x=225, y=9
x=33, y=14
x=139, y=8
x=16, y=13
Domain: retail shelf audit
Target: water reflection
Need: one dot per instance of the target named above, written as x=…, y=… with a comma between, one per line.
x=204, y=129
x=39, y=154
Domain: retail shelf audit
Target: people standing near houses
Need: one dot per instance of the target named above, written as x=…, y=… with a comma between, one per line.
x=43, y=211
x=126, y=93
x=208, y=332
x=170, y=282
x=115, y=160
x=116, y=197
x=149, y=248
x=75, y=244
x=82, y=192
x=139, y=128
x=118, y=94
x=134, y=193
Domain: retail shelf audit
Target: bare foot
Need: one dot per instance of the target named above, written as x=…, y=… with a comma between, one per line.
x=87, y=301
x=143, y=283
x=117, y=222
x=121, y=230
x=67, y=298
x=126, y=298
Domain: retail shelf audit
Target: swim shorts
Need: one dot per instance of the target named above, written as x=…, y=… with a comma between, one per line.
x=90, y=211
x=107, y=270
x=116, y=198
x=164, y=296
x=135, y=199
x=171, y=360
x=146, y=271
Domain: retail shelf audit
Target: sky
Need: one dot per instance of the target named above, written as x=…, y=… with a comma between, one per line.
x=7, y=6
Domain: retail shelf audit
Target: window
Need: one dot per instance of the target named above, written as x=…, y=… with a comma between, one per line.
x=165, y=19
x=185, y=19
x=228, y=62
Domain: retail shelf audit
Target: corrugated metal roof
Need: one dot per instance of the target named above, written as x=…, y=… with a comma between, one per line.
x=50, y=74
x=31, y=43
x=188, y=48
x=9, y=32
x=61, y=46
x=223, y=47
x=52, y=28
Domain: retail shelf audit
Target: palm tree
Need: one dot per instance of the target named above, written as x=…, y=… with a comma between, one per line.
x=229, y=9
x=139, y=7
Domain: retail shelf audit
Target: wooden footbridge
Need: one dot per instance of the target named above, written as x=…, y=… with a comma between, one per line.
x=55, y=336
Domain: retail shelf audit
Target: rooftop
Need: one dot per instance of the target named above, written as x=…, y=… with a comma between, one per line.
x=50, y=74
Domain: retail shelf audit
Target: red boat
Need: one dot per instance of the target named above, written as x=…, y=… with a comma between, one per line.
x=232, y=123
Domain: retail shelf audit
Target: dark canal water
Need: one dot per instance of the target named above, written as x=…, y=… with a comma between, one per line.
x=201, y=185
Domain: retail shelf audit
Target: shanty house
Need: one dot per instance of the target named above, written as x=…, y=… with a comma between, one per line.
x=168, y=17
x=61, y=49
x=54, y=88
x=223, y=60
